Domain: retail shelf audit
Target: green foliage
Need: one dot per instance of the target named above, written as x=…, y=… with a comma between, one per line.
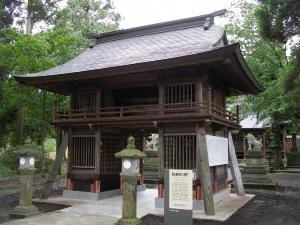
x=9, y=162
x=88, y=17
x=278, y=20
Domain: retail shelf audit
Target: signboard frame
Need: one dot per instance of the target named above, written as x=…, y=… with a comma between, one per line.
x=183, y=212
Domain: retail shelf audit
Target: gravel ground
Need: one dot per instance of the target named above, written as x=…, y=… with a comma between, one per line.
x=9, y=195
x=267, y=208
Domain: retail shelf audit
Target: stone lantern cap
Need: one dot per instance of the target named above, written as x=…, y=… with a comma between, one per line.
x=27, y=149
x=130, y=151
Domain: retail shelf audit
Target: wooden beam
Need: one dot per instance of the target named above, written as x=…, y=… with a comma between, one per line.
x=57, y=163
x=204, y=170
x=234, y=168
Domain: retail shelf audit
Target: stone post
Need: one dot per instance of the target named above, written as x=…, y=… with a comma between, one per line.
x=293, y=157
x=130, y=173
x=26, y=168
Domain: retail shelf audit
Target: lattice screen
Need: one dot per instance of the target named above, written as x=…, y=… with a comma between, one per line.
x=83, y=151
x=180, y=151
x=84, y=100
x=180, y=93
x=109, y=164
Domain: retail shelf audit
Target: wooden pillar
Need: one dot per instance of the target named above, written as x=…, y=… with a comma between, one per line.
x=70, y=157
x=161, y=160
x=161, y=98
x=199, y=94
x=98, y=101
x=238, y=113
x=203, y=170
x=143, y=146
x=234, y=168
x=97, y=159
x=244, y=146
x=209, y=100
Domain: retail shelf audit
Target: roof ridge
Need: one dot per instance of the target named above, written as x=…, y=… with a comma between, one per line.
x=203, y=20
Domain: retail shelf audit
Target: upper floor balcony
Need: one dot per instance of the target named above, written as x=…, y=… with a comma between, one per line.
x=192, y=111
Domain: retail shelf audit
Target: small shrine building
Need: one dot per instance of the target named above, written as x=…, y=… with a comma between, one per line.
x=169, y=78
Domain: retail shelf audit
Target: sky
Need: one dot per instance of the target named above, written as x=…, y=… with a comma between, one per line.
x=143, y=12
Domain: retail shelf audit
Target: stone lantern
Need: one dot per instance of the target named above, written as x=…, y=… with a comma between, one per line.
x=130, y=173
x=26, y=168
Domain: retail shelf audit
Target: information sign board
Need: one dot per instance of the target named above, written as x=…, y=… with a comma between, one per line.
x=181, y=189
x=217, y=148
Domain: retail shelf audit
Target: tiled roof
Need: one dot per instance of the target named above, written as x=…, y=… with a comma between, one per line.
x=141, y=48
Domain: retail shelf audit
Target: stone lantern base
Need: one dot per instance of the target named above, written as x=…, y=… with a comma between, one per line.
x=254, y=174
x=133, y=221
x=293, y=159
x=20, y=212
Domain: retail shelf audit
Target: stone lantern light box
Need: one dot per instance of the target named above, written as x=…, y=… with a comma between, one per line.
x=130, y=158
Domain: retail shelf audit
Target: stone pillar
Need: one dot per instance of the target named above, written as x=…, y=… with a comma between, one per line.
x=130, y=175
x=26, y=168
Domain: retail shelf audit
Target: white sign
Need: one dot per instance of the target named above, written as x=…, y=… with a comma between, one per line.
x=181, y=189
x=217, y=148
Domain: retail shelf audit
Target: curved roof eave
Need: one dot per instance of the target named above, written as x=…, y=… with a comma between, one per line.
x=201, y=57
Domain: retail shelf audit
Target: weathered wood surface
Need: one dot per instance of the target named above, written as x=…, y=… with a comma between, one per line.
x=204, y=170
x=234, y=168
x=57, y=163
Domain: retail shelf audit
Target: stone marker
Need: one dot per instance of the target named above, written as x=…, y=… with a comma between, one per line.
x=293, y=157
x=130, y=175
x=255, y=171
x=26, y=168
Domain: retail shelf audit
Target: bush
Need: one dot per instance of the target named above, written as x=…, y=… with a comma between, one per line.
x=9, y=163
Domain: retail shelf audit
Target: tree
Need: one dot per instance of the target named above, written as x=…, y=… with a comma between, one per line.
x=88, y=17
x=263, y=30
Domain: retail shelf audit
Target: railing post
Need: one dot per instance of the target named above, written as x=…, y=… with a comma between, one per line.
x=121, y=112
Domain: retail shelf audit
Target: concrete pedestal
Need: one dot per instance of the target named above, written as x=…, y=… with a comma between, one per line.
x=293, y=159
x=254, y=174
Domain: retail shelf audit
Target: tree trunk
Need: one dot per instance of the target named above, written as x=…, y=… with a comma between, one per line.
x=20, y=124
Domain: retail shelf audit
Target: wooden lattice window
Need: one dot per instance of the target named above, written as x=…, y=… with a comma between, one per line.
x=84, y=100
x=109, y=164
x=180, y=93
x=83, y=151
x=179, y=151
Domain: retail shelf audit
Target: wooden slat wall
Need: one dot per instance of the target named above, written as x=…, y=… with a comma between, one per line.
x=109, y=164
x=83, y=151
x=84, y=100
x=180, y=151
x=180, y=93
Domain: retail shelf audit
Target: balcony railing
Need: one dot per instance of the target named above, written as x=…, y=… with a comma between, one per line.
x=200, y=109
